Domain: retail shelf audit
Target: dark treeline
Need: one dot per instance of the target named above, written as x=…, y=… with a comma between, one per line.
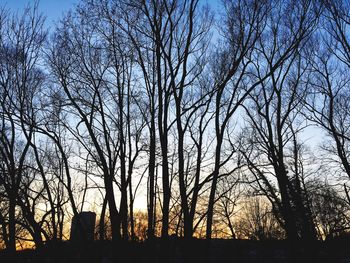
x=230, y=124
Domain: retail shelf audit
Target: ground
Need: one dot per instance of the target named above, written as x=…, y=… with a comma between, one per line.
x=177, y=250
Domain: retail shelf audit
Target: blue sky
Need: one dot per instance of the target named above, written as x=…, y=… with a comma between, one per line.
x=52, y=9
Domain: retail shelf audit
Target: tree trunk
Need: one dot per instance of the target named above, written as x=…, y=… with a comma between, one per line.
x=12, y=223
x=210, y=210
x=113, y=211
x=101, y=227
x=287, y=211
x=151, y=185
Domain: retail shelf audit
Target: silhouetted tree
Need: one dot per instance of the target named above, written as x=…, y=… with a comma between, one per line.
x=257, y=221
x=328, y=104
x=329, y=208
x=274, y=122
x=20, y=79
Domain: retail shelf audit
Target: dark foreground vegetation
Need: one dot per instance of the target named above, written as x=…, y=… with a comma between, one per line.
x=174, y=117
x=178, y=250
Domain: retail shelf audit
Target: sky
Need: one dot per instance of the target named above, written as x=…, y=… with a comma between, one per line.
x=54, y=9
x=51, y=9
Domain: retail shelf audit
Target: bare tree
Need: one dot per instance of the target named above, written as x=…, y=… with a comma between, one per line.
x=244, y=22
x=329, y=208
x=328, y=105
x=275, y=120
x=51, y=125
x=237, y=64
x=170, y=64
x=257, y=221
x=79, y=68
x=20, y=78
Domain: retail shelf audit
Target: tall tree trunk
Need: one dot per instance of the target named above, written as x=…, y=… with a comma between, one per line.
x=151, y=178
x=163, y=136
x=182, y=183
x=287, y=210
x=131, y=210
x=12, y=223
x=211, y=202
x=124, y=203
x=113, y=211
x=101, y=226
